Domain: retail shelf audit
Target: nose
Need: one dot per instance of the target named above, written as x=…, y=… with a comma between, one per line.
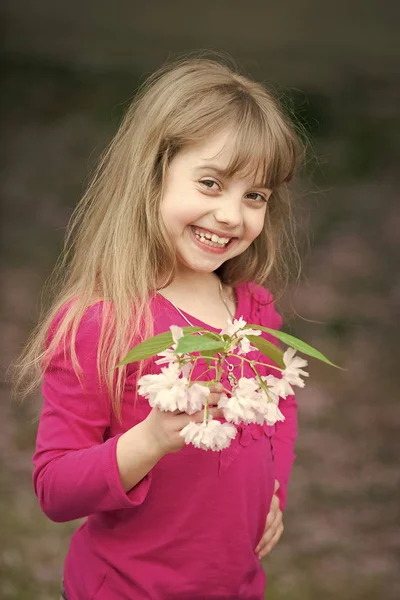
x=229, y=212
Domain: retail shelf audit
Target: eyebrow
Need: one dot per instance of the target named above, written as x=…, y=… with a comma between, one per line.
x=223, y=173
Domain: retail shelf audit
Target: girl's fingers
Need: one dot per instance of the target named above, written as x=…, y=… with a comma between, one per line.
x=216, y=413
x=183, y=419
x=272, y=517
x=213, y=399
x=274, y=509
x=215, y=393
x=266, y=538
x=217, y=388
x=274, y=522
x=267, y=547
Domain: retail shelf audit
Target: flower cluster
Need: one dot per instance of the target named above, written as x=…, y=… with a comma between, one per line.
x=238, y=333
x=170, y=391
x=209, y=435
x=251, y=400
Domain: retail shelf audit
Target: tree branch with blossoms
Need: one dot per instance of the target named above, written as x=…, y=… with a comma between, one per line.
x=251, y=400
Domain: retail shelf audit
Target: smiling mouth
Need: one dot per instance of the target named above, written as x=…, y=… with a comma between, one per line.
x=211, y=239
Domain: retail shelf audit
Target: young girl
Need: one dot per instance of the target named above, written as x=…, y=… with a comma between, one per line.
x=187, y=214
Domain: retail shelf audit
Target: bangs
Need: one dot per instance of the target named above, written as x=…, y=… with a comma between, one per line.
x=263, y=146
x=263, y=149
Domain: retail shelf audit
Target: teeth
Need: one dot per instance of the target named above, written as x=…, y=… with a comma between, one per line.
x=211, y=237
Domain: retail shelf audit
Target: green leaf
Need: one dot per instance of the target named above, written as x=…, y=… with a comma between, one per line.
x=268, y=349
x=153, y=346
x=193, y=329
x=208, y=355
x=197, y=343
x=294, y=342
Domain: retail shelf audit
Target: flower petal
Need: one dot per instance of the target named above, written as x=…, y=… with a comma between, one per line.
x=211, y=435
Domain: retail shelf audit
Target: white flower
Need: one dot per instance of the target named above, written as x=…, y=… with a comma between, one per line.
x=177, y=333
x=233, y=327
x=169, y=356
x=272, y=413
x=278, y=386
x=212, y=435
x=245, y=346
x=166, y=390
x=236, y=328
x=196, y=396
x=245, y=404
x=272, y=395
x=293, y=369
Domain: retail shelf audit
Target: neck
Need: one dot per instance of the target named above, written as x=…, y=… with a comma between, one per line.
x=194, y=283
x=201, y=295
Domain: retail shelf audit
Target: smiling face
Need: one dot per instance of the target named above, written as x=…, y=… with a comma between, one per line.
x=209, y=216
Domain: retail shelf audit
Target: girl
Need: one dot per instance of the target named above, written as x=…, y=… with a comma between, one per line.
x=187, y=214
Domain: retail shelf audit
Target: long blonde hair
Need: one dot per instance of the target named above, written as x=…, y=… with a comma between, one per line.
x=116, y=247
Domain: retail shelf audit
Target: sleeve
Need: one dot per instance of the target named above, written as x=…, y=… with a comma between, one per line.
x=75, y=469
x=285, y=431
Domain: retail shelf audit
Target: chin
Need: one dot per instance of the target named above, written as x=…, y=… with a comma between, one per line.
x=201, y=267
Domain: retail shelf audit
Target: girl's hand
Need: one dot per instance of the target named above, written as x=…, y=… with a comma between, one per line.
x=164, y=428
x=273, y=527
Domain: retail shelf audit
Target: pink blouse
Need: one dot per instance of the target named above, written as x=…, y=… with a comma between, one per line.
x=186, y=531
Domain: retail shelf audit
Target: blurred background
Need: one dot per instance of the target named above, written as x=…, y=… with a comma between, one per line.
x=69, y=71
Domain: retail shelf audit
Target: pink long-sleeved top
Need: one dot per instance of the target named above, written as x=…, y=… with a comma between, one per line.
x=186, y=531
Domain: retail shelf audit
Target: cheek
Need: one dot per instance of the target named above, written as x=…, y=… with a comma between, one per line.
x=255, y=224
x=177, y=214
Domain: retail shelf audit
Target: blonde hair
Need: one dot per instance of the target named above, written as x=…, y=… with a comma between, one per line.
x=117, y=249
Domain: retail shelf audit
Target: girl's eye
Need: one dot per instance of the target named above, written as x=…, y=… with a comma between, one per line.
x=208, y=183
x=253, y=196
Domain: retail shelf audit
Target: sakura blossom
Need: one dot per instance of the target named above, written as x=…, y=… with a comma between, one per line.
x=209, y=435
x=278, y=385
x=236, y=326
x=272, y=395
x=197, y=395
x=166, y=390
x=235, y=329
x=245, y=403
x=272, y=413
x=244, y=346
x=251, y=400
x=177, y=333
x=293, y=368
x=169, y=356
